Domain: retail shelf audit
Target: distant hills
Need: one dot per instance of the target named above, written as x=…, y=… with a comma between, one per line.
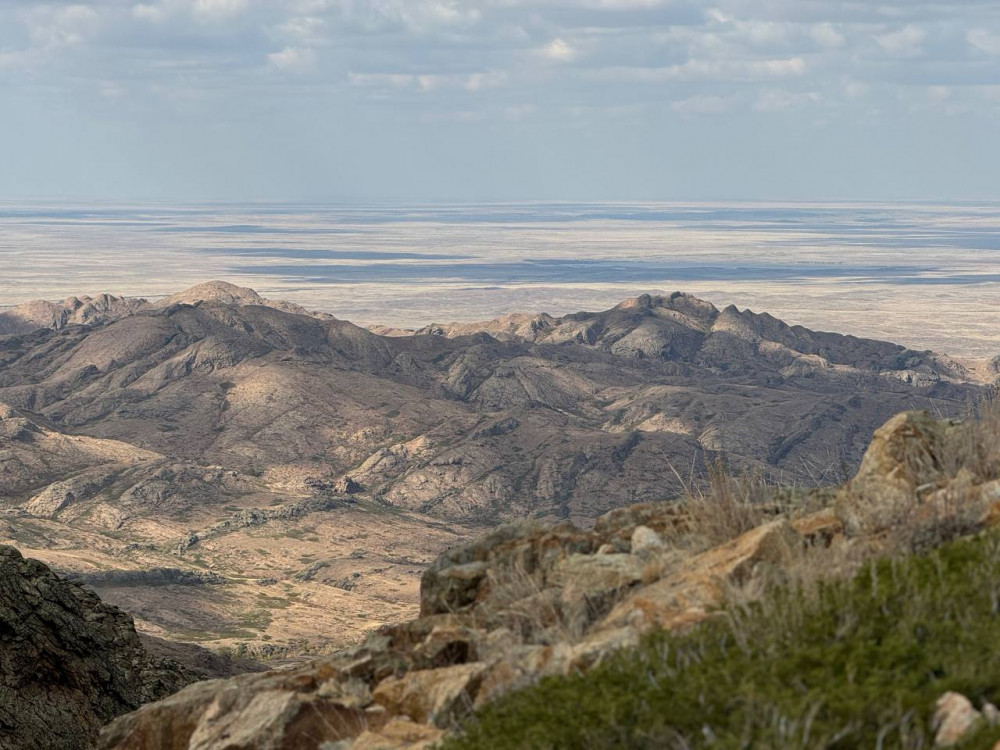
x=218, y=430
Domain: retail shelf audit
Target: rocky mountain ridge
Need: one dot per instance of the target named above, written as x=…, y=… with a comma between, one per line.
x=318, y=468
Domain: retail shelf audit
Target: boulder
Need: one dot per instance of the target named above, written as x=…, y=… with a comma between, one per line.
x=904, y=459
x=954, y=718
x=646, y=541
x=399, y=734
x=591, y=584
x=282, y=710
x=687, y=595
x=432, y=696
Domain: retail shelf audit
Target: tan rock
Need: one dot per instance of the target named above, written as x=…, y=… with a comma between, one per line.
x=819, y=529
x=447, y=644
x=399, y=734
x=266, y=711
x=954, y=718
x=685, y=597
x=522, y=666
x=583, y=574
x=598, y=646
x=592, y=583
x=646, y=541
x=432, y=696
x=903, y=459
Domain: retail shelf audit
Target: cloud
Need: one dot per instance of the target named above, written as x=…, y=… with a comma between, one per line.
x=558, y=51
x=146, y=12
x=427, y=82
x=905, y=42
x=293, y=59
x=781, y=100
x=827, y=36
x=984, y=41
x=214, y=10
x=600, y=66
x=704, y=70
x=68, y=26
x=701, y=105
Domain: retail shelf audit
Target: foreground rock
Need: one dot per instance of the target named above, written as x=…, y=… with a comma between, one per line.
x=527, y=600
x=68, y=662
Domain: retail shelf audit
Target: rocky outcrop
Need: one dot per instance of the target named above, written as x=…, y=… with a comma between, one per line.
x=532, y=599
x=526, y=600
x=68, y=662
x=925, y=478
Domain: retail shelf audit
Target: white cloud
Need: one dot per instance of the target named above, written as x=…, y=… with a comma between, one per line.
x=488, y=80
x=302, y=27
x=152, y=13
x=428, y=81
x=708, y=70
x=558, y=51
x=984, y=41
x=700, y=105
x=68, y=26
x=905, y=42
x=293, y=59
x=827, y=36
x=780, y=100
x=215, y=10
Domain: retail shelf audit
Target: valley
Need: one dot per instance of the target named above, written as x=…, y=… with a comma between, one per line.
x=241, y=473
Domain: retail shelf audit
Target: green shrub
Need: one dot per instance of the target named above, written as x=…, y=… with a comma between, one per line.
x=854, y=663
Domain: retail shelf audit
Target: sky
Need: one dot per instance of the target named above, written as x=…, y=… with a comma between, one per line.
x=500, y=100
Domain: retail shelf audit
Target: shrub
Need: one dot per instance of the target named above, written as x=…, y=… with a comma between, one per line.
x=850, y=663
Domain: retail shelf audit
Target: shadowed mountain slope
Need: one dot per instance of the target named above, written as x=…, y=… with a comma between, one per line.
x=317, y=467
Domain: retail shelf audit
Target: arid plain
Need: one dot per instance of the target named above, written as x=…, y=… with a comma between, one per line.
x=918, y=274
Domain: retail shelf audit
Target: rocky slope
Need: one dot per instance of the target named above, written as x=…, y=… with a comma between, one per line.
x=534, y=599
x=106, y=308
x=317, y=468
x=68, y=662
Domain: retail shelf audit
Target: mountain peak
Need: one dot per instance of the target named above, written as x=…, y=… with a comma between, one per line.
x=214, y=291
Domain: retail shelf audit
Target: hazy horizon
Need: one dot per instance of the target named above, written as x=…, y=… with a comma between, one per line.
x=917, y=274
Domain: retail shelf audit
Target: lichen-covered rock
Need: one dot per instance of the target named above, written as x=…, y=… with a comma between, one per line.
x=68, y=662
x=645, y=540
x=433, y=696
x=685, y=597
x=282, y=710
x=904, y=459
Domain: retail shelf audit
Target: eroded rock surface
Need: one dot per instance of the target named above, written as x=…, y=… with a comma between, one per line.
x=533, y=599
x=526, y=600
x=68, y=662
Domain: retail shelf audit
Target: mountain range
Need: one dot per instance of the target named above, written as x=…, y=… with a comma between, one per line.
x=234, y=470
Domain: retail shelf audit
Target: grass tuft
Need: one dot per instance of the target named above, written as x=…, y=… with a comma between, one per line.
x=848, y=663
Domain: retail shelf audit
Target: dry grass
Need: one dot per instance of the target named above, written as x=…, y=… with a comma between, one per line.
x=727, y=505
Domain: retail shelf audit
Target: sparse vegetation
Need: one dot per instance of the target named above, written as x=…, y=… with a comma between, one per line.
x=849, y=664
